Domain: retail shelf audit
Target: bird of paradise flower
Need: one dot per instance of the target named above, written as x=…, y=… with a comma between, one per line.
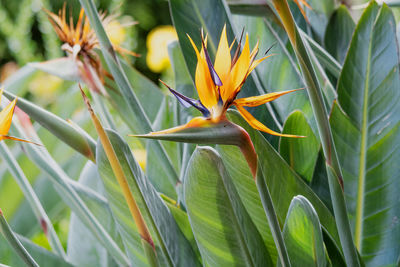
x=218, y=85
x=79, y=42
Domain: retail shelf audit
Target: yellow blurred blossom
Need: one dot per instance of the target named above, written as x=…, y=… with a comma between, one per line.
x=157, y=47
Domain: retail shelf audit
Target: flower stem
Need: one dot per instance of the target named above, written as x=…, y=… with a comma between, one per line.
x=273, y=222
x=321, y=116
x=247, y=148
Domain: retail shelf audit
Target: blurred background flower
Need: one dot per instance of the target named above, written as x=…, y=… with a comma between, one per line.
x=157, y=47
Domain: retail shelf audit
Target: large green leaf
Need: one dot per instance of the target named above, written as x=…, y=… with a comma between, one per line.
x=367, y=134
x=172, y=246
x=300, y=153
x=223, y=229
x=303, y=235
x=282, y=181
x=339, y=32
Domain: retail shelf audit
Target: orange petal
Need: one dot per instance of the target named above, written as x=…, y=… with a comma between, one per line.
x=222, y=63
x=78, y=28
x=204, y=84
x=255, y=101
x=195, y=122
x=6, y=117
x=256, y=62
x=258, y=125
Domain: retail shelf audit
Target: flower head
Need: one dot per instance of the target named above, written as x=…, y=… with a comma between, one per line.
x=218, y=84
x=80, y=41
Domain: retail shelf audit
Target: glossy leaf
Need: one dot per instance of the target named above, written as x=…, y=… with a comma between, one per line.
x=367, y=132
x=282, y=181
x=172, y=247
x=338, y=33
x=300, y=153
x=223, y=229
x=303, y=234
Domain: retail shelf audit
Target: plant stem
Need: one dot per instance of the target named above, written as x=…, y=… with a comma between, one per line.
x=273, y=222
x=321, y=116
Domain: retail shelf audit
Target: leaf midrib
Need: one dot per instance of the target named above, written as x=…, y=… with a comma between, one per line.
x=363, y=149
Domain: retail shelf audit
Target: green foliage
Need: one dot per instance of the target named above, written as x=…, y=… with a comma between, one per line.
x=328, y=199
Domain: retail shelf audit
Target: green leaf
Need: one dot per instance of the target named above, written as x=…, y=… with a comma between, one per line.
x=319, y=15
x=61, y=181
x=165, y=119
x=303, y=235
x=223, y=229
x=300, y=153
x=83, y=248
x=367, y=133
x=171, y=244
x=249, y=8
x=75, y=137
x=325, y=60
x=282, y=181
x=32, y=198
x=15, y=243
x=182, y=219
x=146, y=91
x=42, y=256
x=338, y=44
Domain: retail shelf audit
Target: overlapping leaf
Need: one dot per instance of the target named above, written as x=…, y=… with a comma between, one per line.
x=367, y=135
